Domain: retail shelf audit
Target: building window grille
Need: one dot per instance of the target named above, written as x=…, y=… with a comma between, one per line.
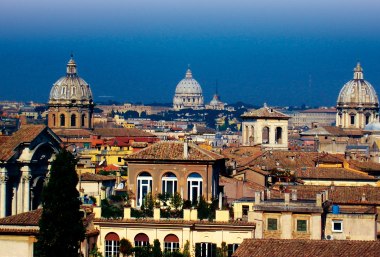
x=169, y=183
x=144, y=186
x=272, y=224
x=171, y=243
x=194, y=187
x=232, y=248
x=301, y=225
x=111, y=245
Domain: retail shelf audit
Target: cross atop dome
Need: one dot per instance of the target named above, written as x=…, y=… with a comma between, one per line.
x=71, y=69
x=358, y=71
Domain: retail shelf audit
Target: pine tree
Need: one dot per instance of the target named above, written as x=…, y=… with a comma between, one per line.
x=61, y=226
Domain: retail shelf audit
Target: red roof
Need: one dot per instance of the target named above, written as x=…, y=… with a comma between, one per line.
x=306, y=248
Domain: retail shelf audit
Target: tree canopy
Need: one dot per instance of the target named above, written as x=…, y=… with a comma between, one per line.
x=61, y=225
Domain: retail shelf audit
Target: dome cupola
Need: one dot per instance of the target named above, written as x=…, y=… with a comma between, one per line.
x=70, y=102
x=357, y=104
x=188, y=93
x=71, y=88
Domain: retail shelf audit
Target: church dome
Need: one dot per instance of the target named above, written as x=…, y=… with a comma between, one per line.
x=71, y=88
x=188, y=93
x=373, y=126
x=188, y=85
x=358, y=92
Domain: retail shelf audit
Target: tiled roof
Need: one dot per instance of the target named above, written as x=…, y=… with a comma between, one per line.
x=265, y=112
x=26, y=134
x=96, y=177
x=339, y=194
x=365, y=166
x=30, y=218
x=327, y=158
x=332, y=174
x=284, y=159
x=166, y=150
x=306, y=248
x=121, y=132
x=73, y=132
x=242, y=155
x=253, y=169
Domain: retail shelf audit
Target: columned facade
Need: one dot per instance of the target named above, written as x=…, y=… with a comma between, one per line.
x=23, y=172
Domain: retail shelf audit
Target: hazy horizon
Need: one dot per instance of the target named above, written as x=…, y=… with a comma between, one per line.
x=286, y=53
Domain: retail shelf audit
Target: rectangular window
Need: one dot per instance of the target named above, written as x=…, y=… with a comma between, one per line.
x=272, y=224
x=118, y=159
x=205, y=250
x=301, y=225
x=352, y=119
x=337, y=226
x=245, y=210
x=232, y=248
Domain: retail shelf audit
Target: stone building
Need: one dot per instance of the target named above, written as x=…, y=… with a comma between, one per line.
x=188, y=93
x=70, y=103
x=25, y=159
x=265, y=126
x=357, y=103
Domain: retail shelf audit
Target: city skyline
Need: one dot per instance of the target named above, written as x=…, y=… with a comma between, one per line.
x=282, y=54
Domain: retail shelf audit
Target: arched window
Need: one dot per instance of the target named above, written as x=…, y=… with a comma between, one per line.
x=111, y=245
x=53, y=117
x=73, y=120
x=171, y=243
x=169, y=183
x=74, y=91
x=278, y=136
x=265, y=135
x=144, y=186
x=62, y=120
x=83, y=120
x=141, y=240
x=194, y=187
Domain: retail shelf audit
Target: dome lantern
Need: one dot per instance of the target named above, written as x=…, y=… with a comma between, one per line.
x=358, y=72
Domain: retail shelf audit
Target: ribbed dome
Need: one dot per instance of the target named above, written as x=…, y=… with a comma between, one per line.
x=188, y=85
x=358, y=92
x=188, y=93
x=71, y=88
x=373, y=126
x=215, y=100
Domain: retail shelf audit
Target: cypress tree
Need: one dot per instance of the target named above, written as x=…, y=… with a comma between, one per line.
x=61, y=225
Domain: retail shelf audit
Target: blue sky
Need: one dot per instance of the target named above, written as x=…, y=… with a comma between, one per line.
x=137, y=51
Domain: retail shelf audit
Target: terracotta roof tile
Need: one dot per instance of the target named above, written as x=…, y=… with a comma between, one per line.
x=96, y=177
x=265, y=112
x=27, y=218
x=339, y=194
x=166, y=150
x=306, y=248
x=332, y=174
x=26, y=134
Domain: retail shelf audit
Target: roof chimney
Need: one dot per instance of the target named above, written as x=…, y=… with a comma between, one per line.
x=185, y=150
x=294, y=194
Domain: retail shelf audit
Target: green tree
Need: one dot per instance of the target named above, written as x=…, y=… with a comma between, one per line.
x=125, y=247
x=203, y=209
x=156, y=251
x=186, y=249
x=61, y=225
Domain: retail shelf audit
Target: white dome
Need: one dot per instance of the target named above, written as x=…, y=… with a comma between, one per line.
x=358, y=92
x=71, y=88
x=188, y=93
x=373, y=126
x=188, y=85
